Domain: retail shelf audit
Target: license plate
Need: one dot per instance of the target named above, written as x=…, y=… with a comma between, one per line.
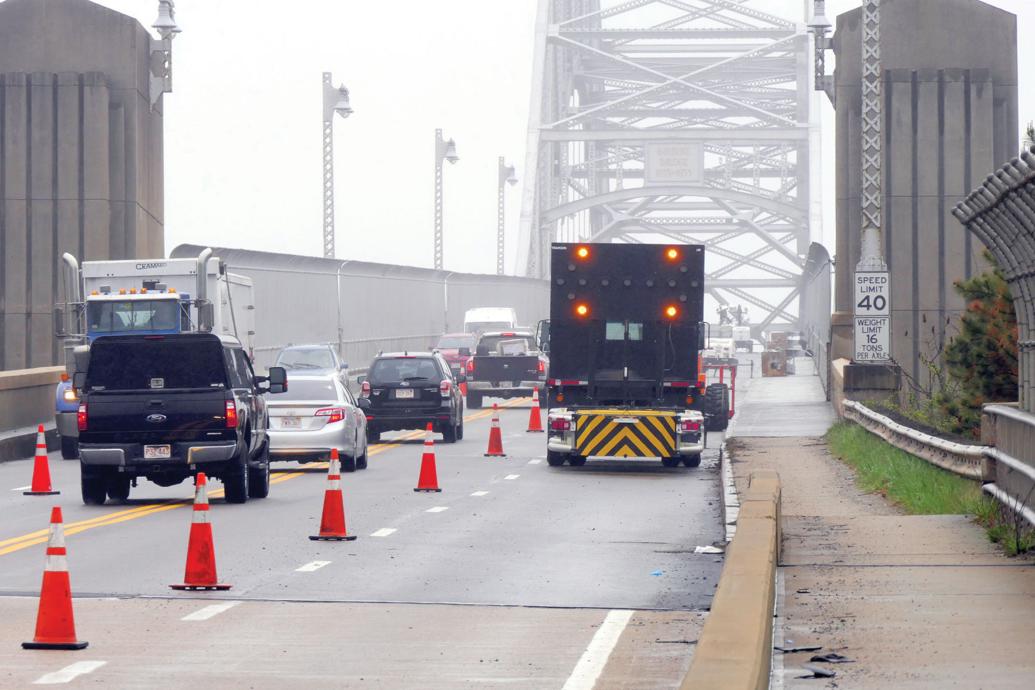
x=157, y=452
x=404, y=393
x=291, y=422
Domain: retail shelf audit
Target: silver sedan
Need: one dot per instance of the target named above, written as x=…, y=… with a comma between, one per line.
x=314, y=415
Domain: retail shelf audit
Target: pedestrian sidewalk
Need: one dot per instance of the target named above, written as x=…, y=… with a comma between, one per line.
x=914, y=601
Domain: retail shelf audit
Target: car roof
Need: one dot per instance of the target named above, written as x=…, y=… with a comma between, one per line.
x=515, y=332
x=398, y=355
x=315, y=346
x=458, y=335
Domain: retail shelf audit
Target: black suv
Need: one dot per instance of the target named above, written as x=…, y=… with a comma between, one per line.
x=406, y=390
x=166, y=406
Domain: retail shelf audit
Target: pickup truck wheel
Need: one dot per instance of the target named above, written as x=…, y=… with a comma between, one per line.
x=118, y=488
x=460, y=428
x=692, y=460
x=474, y=400
x=671, y=462
x=69, y=447
x=554, y=459
x=235, y=483
x=95, y=493
x=576, y=460
x=259, y=477
x=449, y=433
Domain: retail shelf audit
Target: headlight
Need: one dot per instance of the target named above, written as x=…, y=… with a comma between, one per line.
x=70, y=395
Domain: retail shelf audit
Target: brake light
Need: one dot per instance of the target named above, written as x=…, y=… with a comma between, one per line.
x=470, y=366
x=365, y=390
x=689, y=425
x=542, y=367
x=82, y=418
x=508, y=335
x=231, y=414
x=333, y=414
x=560, y=424
x=445, y=387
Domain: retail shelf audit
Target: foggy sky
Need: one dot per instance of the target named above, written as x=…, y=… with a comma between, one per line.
x=243, y=131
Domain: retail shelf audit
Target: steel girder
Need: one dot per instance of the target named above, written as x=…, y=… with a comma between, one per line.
x=620, y=86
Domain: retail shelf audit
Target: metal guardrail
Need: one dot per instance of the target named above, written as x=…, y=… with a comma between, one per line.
x=959, y=458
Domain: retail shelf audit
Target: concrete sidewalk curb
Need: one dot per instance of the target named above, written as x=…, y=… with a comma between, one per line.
x=736, y=645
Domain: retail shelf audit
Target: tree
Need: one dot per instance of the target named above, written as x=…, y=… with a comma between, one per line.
x=982, y=358
x=1029, y=135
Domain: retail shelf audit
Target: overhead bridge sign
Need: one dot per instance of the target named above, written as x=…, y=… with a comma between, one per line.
x=872, y=316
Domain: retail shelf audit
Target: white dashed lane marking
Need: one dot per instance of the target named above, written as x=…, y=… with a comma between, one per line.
x=534, y=462
x=69, y=673
x=480, y=493
x=21, y=488
x=437, y=509
x=207, y=612
x=384, y=532
x=512, y=476
x=310, y=567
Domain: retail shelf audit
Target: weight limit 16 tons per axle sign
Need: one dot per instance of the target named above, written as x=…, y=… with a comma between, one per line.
x=872, y=317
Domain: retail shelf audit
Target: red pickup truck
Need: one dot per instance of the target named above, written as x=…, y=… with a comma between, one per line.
x=456, y=348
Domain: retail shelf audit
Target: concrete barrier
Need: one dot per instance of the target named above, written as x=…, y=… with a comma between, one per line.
x=26, y=400
x=735, y=649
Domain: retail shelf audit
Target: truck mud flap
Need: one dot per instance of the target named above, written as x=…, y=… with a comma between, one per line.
x=625, y=434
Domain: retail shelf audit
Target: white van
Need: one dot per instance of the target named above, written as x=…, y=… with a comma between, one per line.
x=483, y=319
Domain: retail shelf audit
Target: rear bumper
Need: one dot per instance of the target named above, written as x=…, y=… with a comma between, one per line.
x=505, y=389
x=132, y=454
x=395, y=420
x=310, y=445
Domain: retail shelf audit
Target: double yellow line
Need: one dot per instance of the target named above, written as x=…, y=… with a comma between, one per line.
x=40, y=536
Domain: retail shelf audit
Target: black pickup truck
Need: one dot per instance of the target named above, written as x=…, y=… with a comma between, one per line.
x=506, y=364
x=167, y=406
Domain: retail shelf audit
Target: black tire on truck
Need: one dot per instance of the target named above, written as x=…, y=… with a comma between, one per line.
x=93, y=484
x=474, y=400
x=671, y=462
x=716, y=407
x=554, y=459
x=118, y=487
x=259, y=477
x=69, y=447
x=235, y=479
x=692, y=460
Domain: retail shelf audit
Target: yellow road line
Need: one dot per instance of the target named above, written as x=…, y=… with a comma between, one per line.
x=40, y=536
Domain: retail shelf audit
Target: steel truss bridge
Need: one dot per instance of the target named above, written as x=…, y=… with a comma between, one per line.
x=673, y=121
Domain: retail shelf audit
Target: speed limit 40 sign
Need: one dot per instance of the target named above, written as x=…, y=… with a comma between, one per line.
x=872, y=316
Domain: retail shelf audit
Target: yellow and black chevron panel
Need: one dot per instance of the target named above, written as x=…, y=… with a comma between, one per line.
x=625, y=434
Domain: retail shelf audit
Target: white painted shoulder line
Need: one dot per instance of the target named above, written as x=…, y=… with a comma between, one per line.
x=69, y=673
x=480, y=493
x=21, y=488
x=512, y=476
x=593, y=660
x=207, y=612
x=384, y=532
x=437, y=509
x=313, y=566
x=535, y=462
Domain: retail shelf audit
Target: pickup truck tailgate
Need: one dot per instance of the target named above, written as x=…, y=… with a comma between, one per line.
x=126, y=417
x=505, y=368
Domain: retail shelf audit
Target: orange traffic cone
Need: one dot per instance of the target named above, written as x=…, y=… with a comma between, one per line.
x=332, y=523
x=200, y=572
x=428, y=480
x=535, y=418
x=55, y=624
x=463, y=389
x=495, y=437
x=41, y=468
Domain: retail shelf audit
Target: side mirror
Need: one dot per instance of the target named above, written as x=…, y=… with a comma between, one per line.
x=363, y=403
x=278, y=380
x=464, y=351
x=361, y=379
x=79, y=380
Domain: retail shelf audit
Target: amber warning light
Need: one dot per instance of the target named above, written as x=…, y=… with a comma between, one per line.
x=582, y=252
x=672, y=311
x=582, y=310
x=672, y=254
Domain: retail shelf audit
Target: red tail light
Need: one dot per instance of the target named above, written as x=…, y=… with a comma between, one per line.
x=231, y=414
x=542, y=367
x=82, y=418
x=333, y=414
x=445, y=387
x=690, y=426
x=560, y=424
x=470, y=366
x=365, y=392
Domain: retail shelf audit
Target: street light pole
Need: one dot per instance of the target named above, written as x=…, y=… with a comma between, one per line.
x=444, y=151
x=335, y=101
x=506, y=176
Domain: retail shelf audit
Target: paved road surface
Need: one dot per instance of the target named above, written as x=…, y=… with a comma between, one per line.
x=505, y=577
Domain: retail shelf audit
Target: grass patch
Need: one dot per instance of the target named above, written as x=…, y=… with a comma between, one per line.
x=917, y=486
x=921, y=488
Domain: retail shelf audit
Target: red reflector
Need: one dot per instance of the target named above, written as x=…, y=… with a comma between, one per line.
x=445, y=387
x=678, y=384
x=333, y=414
x=470, y=366
x=542, y=367
x=570, y=382
x=560, y=424
x=370, y=417
x=81, y=417
x=508, y=335
x=231, y=414
x=365, y=392
x=690, y=426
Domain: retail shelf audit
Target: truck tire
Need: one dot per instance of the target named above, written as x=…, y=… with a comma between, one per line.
x=118, y=488
x=671, y=462
x=259, y=477
x=554, y=459
x=449, y=434
x=69, y=447
x=576, y=460
x=717, y=407
x=474, y=400
x=92, y=483
x=235, y=482
x=692, y=460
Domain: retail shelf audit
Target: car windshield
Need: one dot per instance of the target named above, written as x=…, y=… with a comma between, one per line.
x=505, y=344
x=404, y=369
x=133, y=315
x=455, y=342
x=155, y=365
x=314, y=358
x=323, y=389
x=486, y=326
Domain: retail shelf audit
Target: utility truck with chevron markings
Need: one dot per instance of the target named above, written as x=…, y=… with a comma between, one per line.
x=625, y=332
